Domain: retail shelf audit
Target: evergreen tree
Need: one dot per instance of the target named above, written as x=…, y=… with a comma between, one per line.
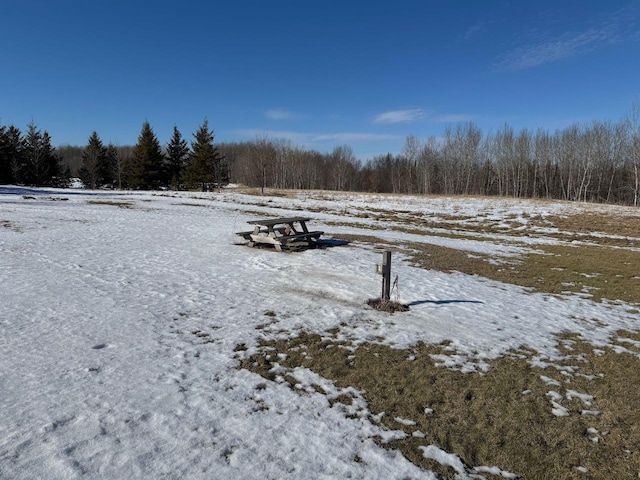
x=6, y=175
x=145, y=167
x=13, y=151
x=177, y=152
x=206, y=166
x=94, y=159
x=113, y=171
x=107, y=168
x=40, y=163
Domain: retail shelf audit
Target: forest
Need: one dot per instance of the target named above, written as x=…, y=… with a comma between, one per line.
x=593, y=162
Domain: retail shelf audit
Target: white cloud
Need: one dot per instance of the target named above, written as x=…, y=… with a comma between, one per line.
x=620, y=26
x=309, y=138
x=400, y=116
x=452, y=118
x=475, y=30
x=553, y=50
x=281, y=114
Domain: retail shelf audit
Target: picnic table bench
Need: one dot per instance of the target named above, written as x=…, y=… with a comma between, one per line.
x=281, y=233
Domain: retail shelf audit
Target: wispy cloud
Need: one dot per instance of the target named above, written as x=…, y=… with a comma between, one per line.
x=553, y=50
x=281, y=114
x=414, y=115
x=620, y=26
x=400, y=116
x=475, y=30
x=452, y=118
x=310, y=138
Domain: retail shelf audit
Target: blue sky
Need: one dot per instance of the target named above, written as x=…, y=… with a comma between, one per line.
x=320, y=73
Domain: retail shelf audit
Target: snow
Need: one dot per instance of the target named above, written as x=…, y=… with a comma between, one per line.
x=405, y=421
x=585, y=398
x=496, y=471
x=590, y=412
x=121, y=314
x=558, y=410
x=550, y=381
x=443, y=458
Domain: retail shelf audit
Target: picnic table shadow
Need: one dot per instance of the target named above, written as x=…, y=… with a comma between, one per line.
x=331, y=242
x=321, y=243
x=441, y=302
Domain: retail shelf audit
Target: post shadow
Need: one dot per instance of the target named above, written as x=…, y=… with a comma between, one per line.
x=441, y=302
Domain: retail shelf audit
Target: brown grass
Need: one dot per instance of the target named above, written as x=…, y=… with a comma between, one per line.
x=189, y=204
x=111, y=203
x=624, y=225
x=597, y=272
x=487, y=420
x=10, y=225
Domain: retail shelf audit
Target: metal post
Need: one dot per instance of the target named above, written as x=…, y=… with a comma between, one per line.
x=386, y=276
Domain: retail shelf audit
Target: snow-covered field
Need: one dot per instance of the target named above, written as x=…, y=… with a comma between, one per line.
x=120, y=315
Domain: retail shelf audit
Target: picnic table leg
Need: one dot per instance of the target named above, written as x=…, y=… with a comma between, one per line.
x=256, y=231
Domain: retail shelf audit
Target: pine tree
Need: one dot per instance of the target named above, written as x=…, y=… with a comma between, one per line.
x=177, y=152
x=107, y=170
x=205, y=166
x=113, y=170
x=145, y=167
x=6, y=175
x=94, y=158
x=14, y=147
x=40, y=163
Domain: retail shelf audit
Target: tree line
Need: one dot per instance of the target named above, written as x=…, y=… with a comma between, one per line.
x=30, y=159
x=595, y=162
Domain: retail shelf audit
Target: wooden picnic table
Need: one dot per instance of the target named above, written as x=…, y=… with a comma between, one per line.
x=281, y=232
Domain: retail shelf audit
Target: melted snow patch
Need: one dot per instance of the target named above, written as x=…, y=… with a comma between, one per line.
x=496, y=471
x=558, y=410
x=404, y=421
x=585, y=398
x=550, y=381
x=443, y=458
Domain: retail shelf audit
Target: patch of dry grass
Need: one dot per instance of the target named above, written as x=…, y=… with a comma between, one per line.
x=597, y=272
x=189, y=204
x=502, y=418
x=388, y=306
x=268, y=192
x=111, y=203
x=624, y=225
x=10, y=225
